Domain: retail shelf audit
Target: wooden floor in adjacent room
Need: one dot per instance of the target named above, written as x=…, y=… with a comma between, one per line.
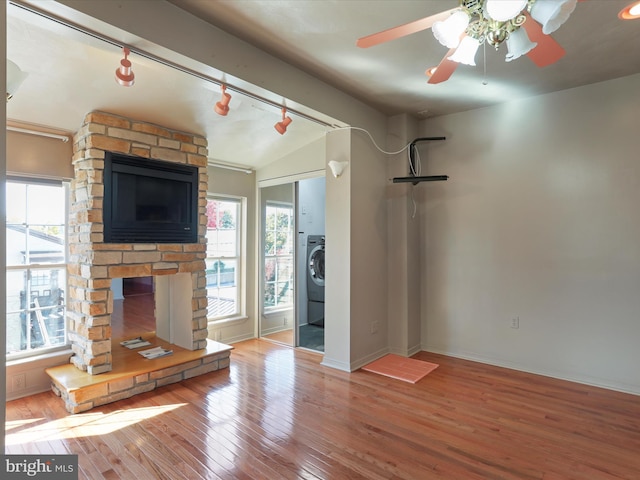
x=278, y=414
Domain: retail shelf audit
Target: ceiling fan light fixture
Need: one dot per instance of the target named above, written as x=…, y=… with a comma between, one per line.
x=222, y=107
x=518, y=44
x=281, y=127
x=448, y=32
x=630, y=12
x=124, y=74
x=466, y=52
x=504, y=10
x=551, y=14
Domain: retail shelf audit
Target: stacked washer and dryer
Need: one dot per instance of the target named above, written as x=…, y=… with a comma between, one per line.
x=315, y=280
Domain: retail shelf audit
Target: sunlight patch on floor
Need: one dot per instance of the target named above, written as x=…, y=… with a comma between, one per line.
x=82, y=424
x=20, y=423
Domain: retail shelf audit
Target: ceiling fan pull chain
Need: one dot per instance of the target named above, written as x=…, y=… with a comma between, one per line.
x=484, y=54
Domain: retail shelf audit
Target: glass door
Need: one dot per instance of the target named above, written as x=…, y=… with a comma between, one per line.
x=277, y=259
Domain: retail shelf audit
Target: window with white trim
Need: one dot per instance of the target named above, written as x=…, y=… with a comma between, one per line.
x=224, y=261
x=278, y=256
x=36, y=266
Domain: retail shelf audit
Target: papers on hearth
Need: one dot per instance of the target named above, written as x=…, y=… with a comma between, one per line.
x=156, y=352
x=135, y=343
x=151, y=353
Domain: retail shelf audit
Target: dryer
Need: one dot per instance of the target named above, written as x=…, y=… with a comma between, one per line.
x=315, y=279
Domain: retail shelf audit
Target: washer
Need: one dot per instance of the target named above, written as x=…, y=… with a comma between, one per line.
x=315, y=279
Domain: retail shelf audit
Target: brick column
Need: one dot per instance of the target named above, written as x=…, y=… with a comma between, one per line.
x=93, y=263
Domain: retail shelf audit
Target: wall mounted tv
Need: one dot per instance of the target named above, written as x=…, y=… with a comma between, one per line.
x=149, y=201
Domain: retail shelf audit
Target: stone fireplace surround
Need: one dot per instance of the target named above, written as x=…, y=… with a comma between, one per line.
x=178, y=270
x=181, y=310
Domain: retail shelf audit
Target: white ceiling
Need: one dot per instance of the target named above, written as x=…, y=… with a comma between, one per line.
x=71, y=74
x=320, y=37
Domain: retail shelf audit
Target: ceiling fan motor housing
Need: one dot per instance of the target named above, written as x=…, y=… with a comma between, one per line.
x=473, y=6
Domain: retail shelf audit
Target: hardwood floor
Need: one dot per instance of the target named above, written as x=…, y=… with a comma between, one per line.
x=285, y=337
x=133, y=316
x=278, y=414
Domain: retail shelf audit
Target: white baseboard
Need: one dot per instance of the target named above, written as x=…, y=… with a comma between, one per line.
x=356, y=364
x=406, y=352
x=27, y=376
x=338, y=365
x=237, y=338
x=279, y=328
x=583, y=379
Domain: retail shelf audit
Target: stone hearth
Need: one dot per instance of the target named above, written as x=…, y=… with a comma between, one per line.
x=133, y=375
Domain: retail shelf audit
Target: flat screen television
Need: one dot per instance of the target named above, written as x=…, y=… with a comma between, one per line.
x=149, y=201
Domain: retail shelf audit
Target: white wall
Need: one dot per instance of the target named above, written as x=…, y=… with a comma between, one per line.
x=538, y=221
x=306, y=161
x=368, y=244
x=239, y=185
x=403, y=267
x=338, y=285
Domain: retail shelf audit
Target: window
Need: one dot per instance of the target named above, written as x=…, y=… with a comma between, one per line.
x=278, y=256
x=36, y=266
x=224, y=263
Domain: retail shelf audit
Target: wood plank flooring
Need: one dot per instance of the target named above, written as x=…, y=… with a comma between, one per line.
x=133, y=316
x=285, y=337
x=278, y=414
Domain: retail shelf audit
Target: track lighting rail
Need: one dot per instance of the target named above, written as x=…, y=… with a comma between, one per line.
x=166, y=62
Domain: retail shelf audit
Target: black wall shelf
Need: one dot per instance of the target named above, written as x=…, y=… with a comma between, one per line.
x=412, y=160
x=416, y=180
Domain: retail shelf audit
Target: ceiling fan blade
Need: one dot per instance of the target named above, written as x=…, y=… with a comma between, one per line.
x=403, y=30
x=548, y=50
x=444, y=70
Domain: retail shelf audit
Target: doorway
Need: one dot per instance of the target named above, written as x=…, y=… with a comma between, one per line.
x=310, y=268
x=292, y=230
x=277, y=263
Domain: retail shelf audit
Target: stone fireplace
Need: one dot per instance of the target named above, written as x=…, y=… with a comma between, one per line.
x=181, y=301
x=97, y=374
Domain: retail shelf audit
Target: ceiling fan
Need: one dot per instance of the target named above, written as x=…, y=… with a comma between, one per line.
x=524, y=25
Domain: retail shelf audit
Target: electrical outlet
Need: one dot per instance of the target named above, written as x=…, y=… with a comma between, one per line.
x=515, y=322
x=374, y=327
x=19, y=381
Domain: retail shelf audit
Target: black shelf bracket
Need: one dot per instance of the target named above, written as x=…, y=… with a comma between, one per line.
x=413, y=178
x=416, y=180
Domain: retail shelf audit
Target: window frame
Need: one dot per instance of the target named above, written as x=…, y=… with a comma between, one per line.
x=29, y=268
x=240, y=258
x=270, y=309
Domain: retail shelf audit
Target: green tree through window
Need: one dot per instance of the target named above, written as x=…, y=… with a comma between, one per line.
x=278, y=253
